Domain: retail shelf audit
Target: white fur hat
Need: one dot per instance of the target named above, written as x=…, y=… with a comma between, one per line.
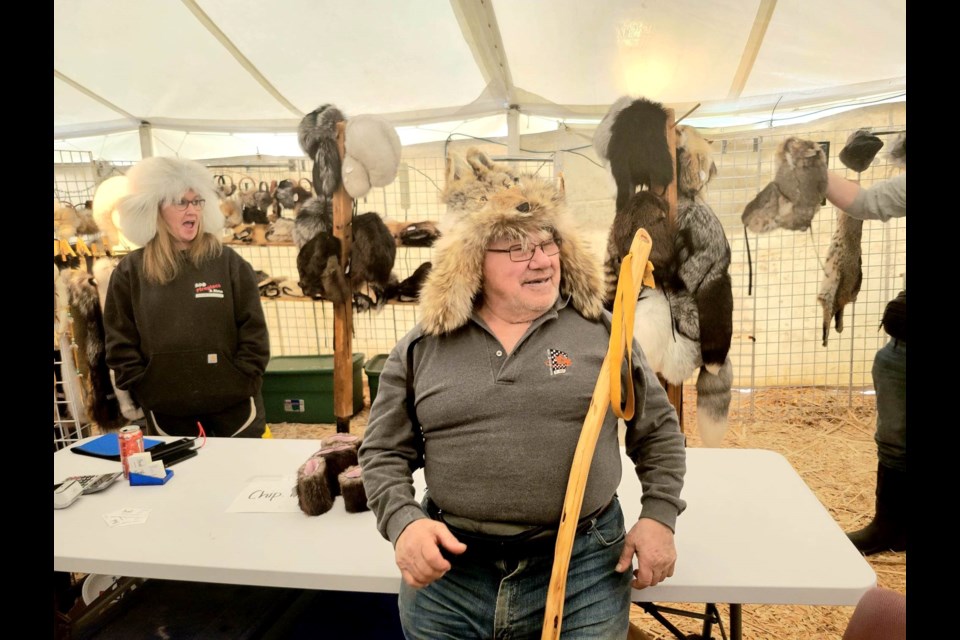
x=371, y=154
x=155, y=181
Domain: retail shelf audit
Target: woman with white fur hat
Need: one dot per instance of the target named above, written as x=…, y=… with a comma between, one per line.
x=185, y=331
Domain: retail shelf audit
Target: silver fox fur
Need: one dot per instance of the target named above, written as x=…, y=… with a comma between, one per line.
x=687, y=321
x=317, y=135
x=314, y=216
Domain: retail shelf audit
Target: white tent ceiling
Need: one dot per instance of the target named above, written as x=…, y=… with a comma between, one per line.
x=220, y=78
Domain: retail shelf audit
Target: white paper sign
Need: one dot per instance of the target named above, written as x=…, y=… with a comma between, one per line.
x=267, y=494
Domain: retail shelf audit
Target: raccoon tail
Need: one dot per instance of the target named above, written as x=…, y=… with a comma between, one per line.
x=713, y=403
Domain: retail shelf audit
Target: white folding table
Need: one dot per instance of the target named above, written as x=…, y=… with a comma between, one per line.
x=753, y=532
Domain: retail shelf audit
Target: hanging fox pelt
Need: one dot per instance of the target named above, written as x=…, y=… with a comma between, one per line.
x=317, y=135
x=842, y=272
x=793, y=198
x=470, y=183
x=102, y=405
x=632, y=138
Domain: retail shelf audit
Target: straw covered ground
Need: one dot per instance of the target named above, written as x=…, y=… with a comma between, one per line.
x=827, y=437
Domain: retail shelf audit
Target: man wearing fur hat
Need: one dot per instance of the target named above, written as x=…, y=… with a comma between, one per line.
x=501, y=370
x=185, y=332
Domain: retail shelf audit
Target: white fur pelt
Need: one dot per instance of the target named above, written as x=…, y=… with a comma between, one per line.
x=371, y=154
x=102, y=269
x=665, y=327
x=672, y=354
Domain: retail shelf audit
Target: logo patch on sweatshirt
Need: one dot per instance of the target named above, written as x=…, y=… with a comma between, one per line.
x=557, y=361
x=204, y=290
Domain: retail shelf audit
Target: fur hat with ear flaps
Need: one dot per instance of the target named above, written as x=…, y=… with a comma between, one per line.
x=153, y=182
x=532, y=204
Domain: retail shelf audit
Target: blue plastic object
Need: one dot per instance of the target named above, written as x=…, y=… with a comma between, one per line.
x=138, y=479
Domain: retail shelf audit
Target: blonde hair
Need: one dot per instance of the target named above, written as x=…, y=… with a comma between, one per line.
x=163, y=261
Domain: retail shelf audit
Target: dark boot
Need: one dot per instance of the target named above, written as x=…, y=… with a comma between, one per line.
x=888, y=530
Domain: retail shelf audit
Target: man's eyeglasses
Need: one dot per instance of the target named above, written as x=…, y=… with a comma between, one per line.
x=521, y=253
x=183, y=204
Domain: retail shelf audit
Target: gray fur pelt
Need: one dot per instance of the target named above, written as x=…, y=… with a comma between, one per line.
x=842, y=272
x=313, y=216
x=317, y=135
x=703, y=259
x=632, y=137
x=793, y=198
x=281, y=230
x=290, y=195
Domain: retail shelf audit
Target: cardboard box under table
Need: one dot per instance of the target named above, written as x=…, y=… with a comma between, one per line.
x=300, y=388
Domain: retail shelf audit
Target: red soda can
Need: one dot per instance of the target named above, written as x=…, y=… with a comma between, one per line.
x=131, y=442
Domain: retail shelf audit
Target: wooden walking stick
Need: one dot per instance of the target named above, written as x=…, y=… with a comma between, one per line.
x=635, y=267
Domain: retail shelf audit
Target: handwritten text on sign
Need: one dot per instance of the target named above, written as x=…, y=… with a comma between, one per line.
x=263, y=494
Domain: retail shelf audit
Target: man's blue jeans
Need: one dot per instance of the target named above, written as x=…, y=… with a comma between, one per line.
x=890, y=382
x=504, y=595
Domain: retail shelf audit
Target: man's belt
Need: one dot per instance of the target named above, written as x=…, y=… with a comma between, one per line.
x=501, y=535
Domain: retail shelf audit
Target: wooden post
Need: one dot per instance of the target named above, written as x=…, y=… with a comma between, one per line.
x=343, y=313
x=669, y=193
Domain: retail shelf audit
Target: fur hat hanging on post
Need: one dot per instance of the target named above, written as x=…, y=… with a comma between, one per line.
x=371, y=154
x=531, y=205
x=317, y=135
x=632, y=138
x=154, y=182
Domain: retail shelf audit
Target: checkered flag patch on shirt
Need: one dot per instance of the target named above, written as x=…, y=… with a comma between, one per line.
x=557, y=361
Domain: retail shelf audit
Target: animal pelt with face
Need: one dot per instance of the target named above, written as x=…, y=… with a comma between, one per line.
x=842, y=272
x=317, y=135
x=532, y=204
x=793, y=198
x=372, y=254
x=470, y=183
x=632, y=137
x=314, y=216
x=102, y=405
x=695, y=165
